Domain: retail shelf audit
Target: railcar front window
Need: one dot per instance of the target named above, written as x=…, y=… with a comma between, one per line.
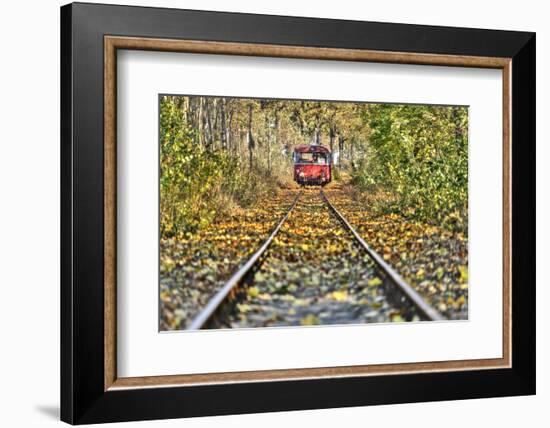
x=314, y=158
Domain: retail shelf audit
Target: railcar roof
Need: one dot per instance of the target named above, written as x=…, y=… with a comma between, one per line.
x=311, y=148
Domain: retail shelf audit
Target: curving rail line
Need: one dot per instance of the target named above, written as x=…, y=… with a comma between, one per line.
x=392, y=278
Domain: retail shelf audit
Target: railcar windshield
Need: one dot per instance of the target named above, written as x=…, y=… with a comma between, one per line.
x=312, y=158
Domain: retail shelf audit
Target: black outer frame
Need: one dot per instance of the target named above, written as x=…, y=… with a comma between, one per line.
x=83, y=399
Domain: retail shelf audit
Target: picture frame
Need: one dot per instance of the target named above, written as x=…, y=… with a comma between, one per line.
x=91, y=35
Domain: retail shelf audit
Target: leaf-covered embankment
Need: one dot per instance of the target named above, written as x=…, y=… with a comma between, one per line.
x=195, y=266
x=434, y=260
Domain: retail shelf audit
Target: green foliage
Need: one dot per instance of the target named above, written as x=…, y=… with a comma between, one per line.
x=198, y=184
x=186, y=174
x=220, y=154
x=419, y=156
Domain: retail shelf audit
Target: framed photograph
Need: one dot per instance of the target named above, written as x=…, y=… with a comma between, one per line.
x=266, y=213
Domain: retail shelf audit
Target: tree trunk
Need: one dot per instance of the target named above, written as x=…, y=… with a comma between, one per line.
x=269, y=137
x=317, y=138
x=331, y=136
x=340, y=150
x=209, y=124
x=250, y=138
x=241, y=143
x=223, y=128
x=351, y=155
x=275, y=137
x=230, y=136
x=200, y=121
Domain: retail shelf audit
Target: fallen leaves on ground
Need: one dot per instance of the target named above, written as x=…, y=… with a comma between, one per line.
x=193, y=268
x=433, y=260
x=314, y=273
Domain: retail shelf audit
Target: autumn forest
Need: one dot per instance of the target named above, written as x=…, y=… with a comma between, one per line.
x=399, y=178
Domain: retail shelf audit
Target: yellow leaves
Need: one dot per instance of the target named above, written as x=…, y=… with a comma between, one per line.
x=310, y=319
x=463, y=270
x=374, y=282
x=259, y=277
x=339, y=295
x=456, y=303
x=313, y=273
x=387, y=253
x=243, y=308
x=253, y=292
x=167, y=264
x=331, y=247
x=165, y=296
x=396, y=317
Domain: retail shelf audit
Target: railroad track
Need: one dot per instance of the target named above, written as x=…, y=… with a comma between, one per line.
x=237, y=278
x=396, y=294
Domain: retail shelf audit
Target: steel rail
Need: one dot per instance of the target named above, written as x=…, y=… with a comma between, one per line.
x=412, y=295
x=214, y=303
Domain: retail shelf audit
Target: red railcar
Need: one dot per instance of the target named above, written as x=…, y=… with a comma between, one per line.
x=312, y=165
